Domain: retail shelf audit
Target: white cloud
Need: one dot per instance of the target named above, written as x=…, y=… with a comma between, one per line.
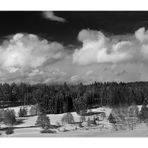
x=97, y=48
x=51, y=16
x=141, y=34
x=23, y=51
x=28, y=58
x=89, y=35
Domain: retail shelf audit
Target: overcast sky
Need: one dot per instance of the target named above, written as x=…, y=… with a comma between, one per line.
x=46, y=47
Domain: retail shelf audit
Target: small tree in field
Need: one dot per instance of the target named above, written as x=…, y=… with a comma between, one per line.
x=9, y=130
x=68, y=118
x=82, y=119
x=88, y=122
x=34, y=110
x=144, y=111
x=43, y=121
x=118, y=118
x=82, y=114
x=22, y=112
x=9, y=117
x=133, y=110
x=2, y=115
x=144, y=114
x=133, y=115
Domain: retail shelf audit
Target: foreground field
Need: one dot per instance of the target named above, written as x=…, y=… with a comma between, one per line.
x=140, y=131
x=27, y=128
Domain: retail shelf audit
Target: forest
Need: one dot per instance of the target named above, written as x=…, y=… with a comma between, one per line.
x=60, y=98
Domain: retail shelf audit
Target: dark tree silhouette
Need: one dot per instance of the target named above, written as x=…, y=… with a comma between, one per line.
x=58, y=98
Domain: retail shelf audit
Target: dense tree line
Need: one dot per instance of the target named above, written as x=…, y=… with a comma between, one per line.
x=65, y=98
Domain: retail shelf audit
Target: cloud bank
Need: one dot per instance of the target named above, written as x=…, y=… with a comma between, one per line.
x=97, y=48
x=29, y=58
x=24, y=51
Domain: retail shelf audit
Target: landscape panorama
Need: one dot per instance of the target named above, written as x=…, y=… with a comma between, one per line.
x=74, y=74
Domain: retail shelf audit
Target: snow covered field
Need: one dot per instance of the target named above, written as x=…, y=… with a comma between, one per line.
x=140, y=131
x=54, y=118
x=27, y=127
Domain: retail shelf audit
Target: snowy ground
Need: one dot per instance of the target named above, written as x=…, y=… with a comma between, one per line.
x=27, y=127
x=54, y=118
x=140, y=131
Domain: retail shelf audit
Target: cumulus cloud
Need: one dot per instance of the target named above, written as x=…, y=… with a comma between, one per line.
x=51, y=16
x=23, y=51
x=89, y=35
x=29, y=58
x=97, y=48
x=141, y=34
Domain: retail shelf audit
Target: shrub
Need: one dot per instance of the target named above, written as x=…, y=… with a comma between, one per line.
x=58, y=124
x=112, y=118
x=118, y=114
x=133, y=110
x=82, y=119
x=132, y=122
x=133, y=116
x=68, y=118
x=2, y=115
x=114, y=115
x=94, y=121
x=101, y=116
x=9, y=131
x=9, y=117
x=124, y=117
x=82, y=112
x=43, y=121
x=22, y=112
x=144, y=112
x=118, y=118
x=34, y=110
x=89, y=122
x=48, y=131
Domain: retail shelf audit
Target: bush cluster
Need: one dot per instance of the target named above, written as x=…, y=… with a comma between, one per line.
x=9, y=117
x=144, y=113
x=67, y=118
x=22, y=112
x=2, y=115
x=9, y=131
x=124, y=117
x=34, y=110
x=48, y=131
x=43, y=121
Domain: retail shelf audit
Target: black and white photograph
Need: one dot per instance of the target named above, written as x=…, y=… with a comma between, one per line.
x=73, y=73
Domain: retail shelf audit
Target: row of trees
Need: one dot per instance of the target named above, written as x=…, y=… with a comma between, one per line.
x=65, y=98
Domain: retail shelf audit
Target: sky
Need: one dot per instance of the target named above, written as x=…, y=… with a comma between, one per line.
x=73, y=46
